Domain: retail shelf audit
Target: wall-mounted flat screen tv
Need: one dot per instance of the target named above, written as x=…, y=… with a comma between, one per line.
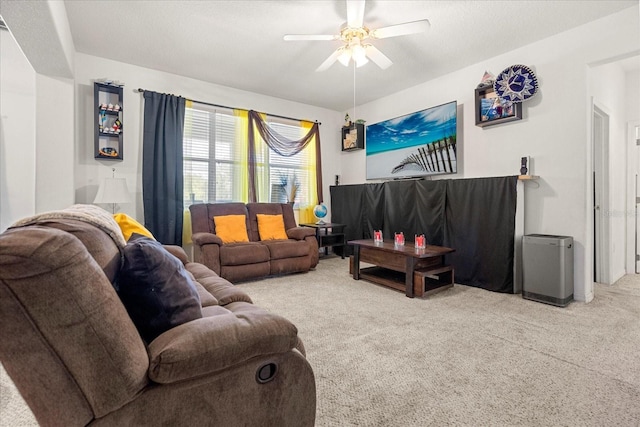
x=417, y=144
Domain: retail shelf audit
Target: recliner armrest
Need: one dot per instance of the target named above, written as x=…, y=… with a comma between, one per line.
x=206, y=238
x=211, y=344
x=177, y=252
x=299, y=233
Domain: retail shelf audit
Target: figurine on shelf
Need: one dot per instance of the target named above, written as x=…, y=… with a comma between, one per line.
x=108, y=152
x=117, y=126
x=347, y=120
x=103, y=120
x=487, y=80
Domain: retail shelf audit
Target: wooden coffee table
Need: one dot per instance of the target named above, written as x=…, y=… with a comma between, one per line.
x=401, y=267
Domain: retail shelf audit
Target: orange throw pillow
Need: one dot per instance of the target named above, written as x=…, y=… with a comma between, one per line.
x=231, y=228
x=271, y=227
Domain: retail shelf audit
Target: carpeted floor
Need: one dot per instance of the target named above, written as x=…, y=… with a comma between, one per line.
x=464, y=356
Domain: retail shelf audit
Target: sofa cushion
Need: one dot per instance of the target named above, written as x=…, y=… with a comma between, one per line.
x=130, y=226
x=231, y=228
x=155, y=288
x=271, y=227
x=279, y=249
x=221, y=289
x=243, y=253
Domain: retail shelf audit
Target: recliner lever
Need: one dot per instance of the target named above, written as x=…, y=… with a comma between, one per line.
x=266, y=373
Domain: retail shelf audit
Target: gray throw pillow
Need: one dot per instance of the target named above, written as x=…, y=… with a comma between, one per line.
x=155, y=288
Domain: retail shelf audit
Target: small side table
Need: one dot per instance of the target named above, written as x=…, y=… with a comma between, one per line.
x=328, y=235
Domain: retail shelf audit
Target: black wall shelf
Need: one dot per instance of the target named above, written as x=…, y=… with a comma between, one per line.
x=108, y=133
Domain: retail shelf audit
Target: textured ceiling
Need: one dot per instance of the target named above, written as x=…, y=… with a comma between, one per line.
x=239, y=43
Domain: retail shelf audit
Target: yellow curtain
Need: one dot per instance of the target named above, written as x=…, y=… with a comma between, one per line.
x=309, y=153
x=262, y=170
x=186, y=228
x=241, y=173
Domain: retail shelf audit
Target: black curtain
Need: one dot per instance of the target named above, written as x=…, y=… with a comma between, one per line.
x=373, y=209
x=480, y=225
x=347, y=208
x=399, y=209
x=430, y=209
x=476, y=217
x=162, y=167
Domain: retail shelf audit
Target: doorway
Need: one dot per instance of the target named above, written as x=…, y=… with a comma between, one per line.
x=601, y=232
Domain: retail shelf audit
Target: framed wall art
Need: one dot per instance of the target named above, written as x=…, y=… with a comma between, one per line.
x=492, y=110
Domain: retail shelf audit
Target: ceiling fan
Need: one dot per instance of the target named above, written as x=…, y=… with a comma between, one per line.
x=354, y=35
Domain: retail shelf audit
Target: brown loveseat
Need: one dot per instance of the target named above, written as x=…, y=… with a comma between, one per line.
x=72, y=350
x=255, y=258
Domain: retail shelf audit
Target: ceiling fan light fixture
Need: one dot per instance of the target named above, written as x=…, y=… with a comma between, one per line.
x=361, y=61
x=345, y=56
x=358, y=52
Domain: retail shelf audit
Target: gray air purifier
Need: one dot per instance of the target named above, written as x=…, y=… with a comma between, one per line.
x=547, y=268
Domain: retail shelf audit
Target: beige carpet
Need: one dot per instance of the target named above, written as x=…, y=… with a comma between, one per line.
x=465, y=356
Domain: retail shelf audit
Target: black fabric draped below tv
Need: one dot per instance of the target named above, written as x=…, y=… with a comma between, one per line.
x=474, y=216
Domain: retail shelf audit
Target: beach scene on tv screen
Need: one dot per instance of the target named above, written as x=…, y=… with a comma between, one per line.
x=413, y=145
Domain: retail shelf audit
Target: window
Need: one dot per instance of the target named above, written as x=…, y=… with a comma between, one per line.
x=210, y=157
x=215, y=160
x=286, y=170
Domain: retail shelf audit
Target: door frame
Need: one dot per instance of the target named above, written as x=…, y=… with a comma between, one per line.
x=633, y=180
x=601, y=225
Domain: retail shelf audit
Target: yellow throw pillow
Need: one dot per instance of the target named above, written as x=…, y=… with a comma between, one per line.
x=129, y=226
x=231, y=228
x=271, y=227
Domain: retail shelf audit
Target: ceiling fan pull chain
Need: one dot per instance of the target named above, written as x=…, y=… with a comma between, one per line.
x=354, y=91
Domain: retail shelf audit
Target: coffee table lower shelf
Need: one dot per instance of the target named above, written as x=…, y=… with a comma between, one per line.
x=426, y=282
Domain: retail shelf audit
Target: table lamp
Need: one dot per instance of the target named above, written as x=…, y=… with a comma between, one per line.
x=113, y=190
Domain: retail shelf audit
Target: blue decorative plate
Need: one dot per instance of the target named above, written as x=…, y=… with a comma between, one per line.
x=516, y=83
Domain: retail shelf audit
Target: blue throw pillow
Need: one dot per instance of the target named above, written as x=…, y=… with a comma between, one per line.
x=155, y=288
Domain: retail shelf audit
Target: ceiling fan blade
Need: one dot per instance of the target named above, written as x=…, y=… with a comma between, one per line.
x=401, y=29
x=377, y=57
x=355, y=13
x=297, y=37
x=329, y=61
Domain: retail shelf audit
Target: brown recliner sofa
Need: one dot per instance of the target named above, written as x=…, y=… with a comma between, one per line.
x=255, y=258
x=72, y=350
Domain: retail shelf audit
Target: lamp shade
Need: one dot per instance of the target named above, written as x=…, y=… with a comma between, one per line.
x=113, y=190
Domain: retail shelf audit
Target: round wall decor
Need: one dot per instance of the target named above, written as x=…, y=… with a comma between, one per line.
x=516, y=83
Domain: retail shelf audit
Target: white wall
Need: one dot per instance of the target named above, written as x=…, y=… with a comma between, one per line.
x=17, y=133
x=555, y=130
x=90, y=171
x=54, y=143
x=632, y=106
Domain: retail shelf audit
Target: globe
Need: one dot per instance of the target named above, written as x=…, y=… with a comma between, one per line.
x=320, y=211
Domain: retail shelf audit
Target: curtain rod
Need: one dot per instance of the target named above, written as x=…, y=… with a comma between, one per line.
x=243, y=109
